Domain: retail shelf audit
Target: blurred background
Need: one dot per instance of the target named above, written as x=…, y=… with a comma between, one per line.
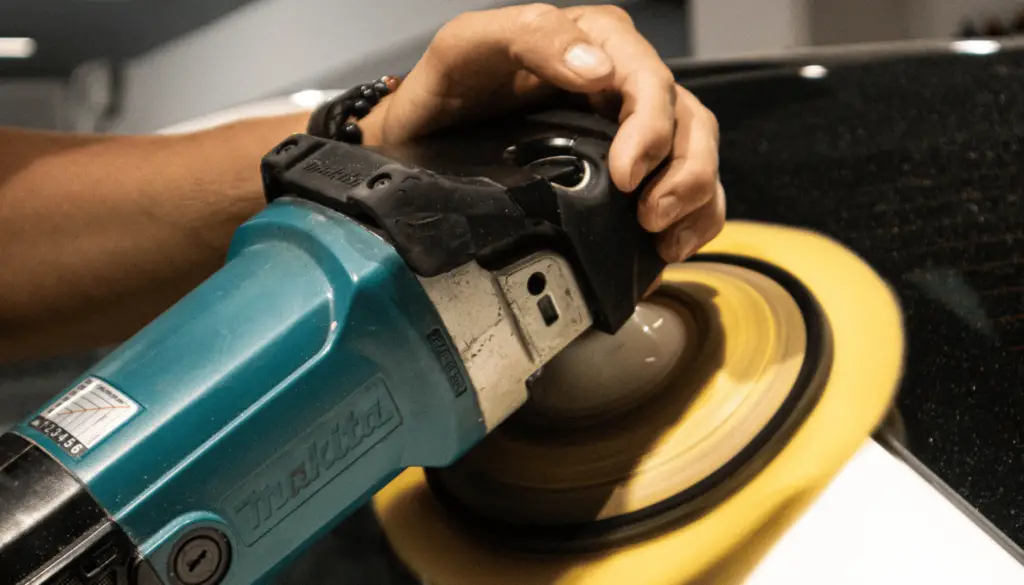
x=140, y=65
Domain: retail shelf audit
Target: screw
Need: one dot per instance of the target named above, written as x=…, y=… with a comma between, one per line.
x=198, y=561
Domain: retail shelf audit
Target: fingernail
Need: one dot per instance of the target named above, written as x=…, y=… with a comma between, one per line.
x=588, y=61
x=686, y=244
x=636, y=176
x=668, y=209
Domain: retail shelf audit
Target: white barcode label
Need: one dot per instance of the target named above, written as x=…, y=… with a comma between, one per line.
x=85, y=415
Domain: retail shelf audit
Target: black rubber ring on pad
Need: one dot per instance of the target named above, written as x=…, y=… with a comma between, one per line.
x=702, y=496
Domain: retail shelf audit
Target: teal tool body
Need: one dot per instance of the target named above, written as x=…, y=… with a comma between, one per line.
x=386, y=310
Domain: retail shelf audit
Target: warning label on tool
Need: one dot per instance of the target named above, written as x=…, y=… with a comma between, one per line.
x=83, y=417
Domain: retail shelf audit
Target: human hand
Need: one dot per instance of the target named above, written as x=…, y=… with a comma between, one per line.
x=484, y=62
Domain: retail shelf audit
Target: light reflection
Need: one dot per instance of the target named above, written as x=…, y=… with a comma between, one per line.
x=976, y=46
x=813, y=72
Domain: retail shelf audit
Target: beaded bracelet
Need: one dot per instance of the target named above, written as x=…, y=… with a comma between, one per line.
x=337, y=118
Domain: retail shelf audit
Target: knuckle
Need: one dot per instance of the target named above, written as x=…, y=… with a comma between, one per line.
x=716, y=223
x=720, y=210
x=667, y=81
x=458, y=21
x=712, y=120
x=712, y=219
x=697, y=107
x=661, y=138
x=529, y=24
x=529, y=16
x=673, y=96
x=705, y=181
x=616, y=13
x=447, y=33
x=714, y=229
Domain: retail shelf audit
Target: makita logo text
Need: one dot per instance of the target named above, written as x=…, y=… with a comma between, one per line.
x=333, y=444
x=325, y=169
x=446, y=356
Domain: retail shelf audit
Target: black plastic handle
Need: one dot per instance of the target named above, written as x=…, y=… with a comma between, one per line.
x=492, y=193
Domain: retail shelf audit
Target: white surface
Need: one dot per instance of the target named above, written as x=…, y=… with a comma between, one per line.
x=880, y=523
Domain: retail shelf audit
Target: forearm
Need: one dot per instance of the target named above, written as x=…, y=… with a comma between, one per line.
x=100, y=234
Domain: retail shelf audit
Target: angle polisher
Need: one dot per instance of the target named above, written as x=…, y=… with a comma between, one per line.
x=385, y=311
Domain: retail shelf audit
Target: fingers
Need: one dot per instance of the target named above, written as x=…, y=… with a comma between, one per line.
x=691, y=178
x=481, y=62
x=647, y=88
x=644, y=139
x=588, y=49
x=686, y=201
x=654, y=286
x=683, y=239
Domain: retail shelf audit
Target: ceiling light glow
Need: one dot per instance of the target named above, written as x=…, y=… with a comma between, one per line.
x=813, y=72
x=17, y=47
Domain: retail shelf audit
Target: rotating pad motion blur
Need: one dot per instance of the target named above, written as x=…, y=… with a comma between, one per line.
x=677, y=450
x=719, y=410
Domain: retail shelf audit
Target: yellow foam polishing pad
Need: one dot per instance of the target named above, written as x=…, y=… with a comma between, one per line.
x=724, y=543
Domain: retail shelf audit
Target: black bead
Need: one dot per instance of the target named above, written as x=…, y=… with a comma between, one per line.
x=351, y=133
x=361, y=108
x=355, y=102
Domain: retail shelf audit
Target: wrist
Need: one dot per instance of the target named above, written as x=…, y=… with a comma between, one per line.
x=222, y=167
